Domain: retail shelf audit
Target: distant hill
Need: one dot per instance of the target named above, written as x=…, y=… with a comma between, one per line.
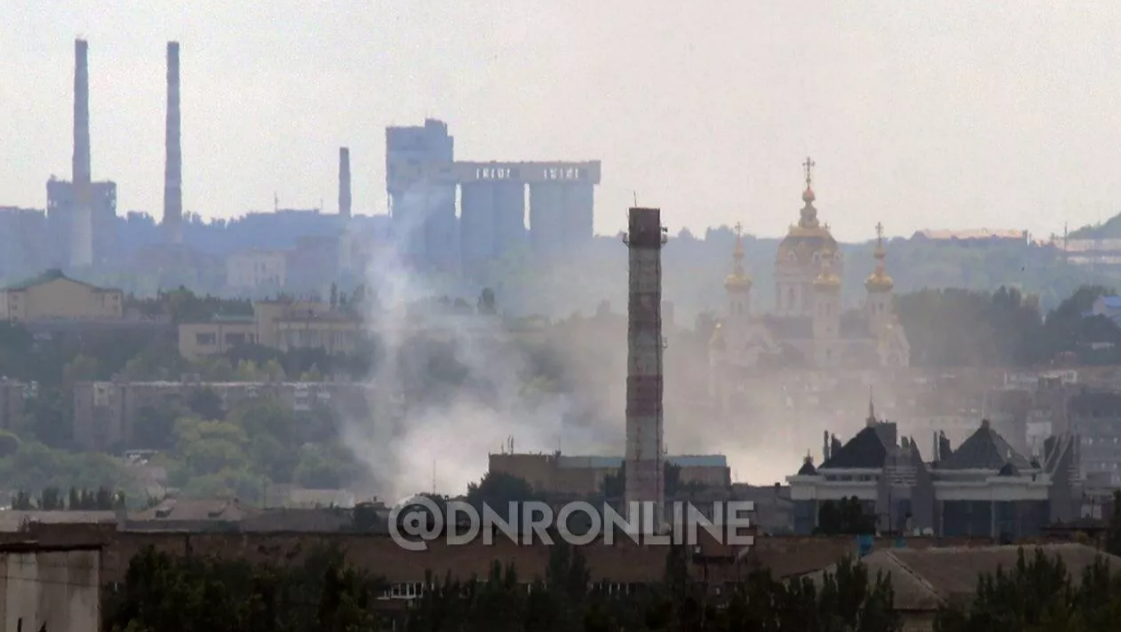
x=1111, y=229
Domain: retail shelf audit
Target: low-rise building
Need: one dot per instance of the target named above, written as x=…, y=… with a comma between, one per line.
x=584, y=475
x=54, y=296
x=927, y=580
x=284, y=325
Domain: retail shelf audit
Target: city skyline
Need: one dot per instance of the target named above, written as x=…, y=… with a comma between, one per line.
x=915, y=111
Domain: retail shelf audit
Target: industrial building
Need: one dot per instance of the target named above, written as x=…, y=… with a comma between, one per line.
x=422, y=179
x=582, y=476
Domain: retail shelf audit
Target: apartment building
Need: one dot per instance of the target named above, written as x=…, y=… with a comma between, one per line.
x=283, y=325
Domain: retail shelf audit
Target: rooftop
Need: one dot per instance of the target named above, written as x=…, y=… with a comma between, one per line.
x=925, y=579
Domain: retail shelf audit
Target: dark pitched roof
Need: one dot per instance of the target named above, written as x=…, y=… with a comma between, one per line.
x=984, y=450
x=807, y=468
x=925, y=579
x=53, y=274
x=864, y=451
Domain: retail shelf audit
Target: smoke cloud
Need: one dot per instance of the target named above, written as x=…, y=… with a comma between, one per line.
x=428, y=434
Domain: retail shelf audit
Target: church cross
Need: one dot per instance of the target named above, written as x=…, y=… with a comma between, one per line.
x=808, y=166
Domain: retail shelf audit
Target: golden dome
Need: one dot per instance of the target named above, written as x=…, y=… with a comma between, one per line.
x=808, y=237
x=827, y=279
x=879, y=281
x=738, y=280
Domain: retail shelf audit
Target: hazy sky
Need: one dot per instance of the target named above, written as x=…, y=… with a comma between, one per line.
x=920, y=114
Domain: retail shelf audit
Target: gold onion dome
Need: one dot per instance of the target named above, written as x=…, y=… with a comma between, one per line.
x=827, y=280
x=808, y=237
x=738, y=280
x=879, y=281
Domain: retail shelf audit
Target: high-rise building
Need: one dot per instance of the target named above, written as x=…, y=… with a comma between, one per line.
x=422, y=192
x=422, y=178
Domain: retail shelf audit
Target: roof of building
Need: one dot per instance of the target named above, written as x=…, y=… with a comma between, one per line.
x=864, y=451
x=11, y=520
x=807, y=468
x=53, y=274
x=687, y=460
x=175, y=509
x=1112, y=302
x=985, y=449
x=925, y=579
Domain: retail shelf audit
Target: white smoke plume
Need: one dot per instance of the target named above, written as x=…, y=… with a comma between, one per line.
x=408, y=447
x=444, y=446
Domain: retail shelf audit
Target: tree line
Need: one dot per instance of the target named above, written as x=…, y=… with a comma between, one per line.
x=52, y=499
x=169, y=594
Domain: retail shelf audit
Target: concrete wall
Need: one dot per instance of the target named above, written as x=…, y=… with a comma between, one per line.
x=58, y=590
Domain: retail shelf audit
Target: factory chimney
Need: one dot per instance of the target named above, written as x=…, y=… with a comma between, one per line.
x=81, y=225
x=344, y=182
x=173, y=165
x=645, y=477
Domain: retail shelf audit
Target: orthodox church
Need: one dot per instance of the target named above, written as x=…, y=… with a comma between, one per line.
x=808, y=327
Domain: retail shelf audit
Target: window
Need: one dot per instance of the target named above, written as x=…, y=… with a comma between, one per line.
x=206, y=339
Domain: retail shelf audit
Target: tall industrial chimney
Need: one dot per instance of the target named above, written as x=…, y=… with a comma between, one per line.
x=344, y=182
x=173, y=165
x=645, y=476
x=81, y=223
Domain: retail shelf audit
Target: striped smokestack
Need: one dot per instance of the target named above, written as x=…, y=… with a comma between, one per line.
x=644, y=478
x=344, y=182
x=173, y=165
x=81, y=223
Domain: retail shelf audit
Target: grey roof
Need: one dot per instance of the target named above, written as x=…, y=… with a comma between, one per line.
x=924, y=579
x=53, y=274
x=864, y=451
x=12, y=519
x=807, y=468
x=984, y=450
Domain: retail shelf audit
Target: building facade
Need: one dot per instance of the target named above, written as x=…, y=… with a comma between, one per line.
x=54, y=296
x=984, y=488
x=283, y=325
x=423, y=179
x=256, y=270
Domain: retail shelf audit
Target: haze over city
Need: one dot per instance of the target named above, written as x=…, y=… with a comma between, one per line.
x=928, y=115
